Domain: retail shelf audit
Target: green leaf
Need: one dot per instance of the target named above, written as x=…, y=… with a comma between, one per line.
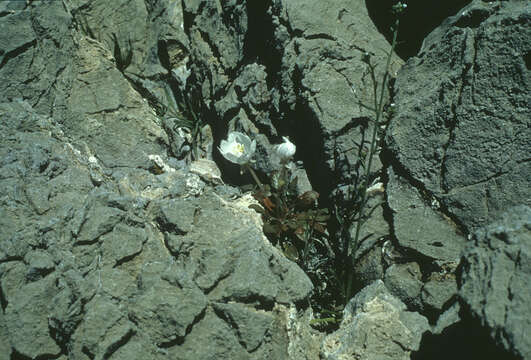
x=257, y=208
x=292, y=187
x=322, y=216
x=272, y=229
x=276, y=181
x=290, y=251
x=293, y=224
x=299, y=233
x=320, y=227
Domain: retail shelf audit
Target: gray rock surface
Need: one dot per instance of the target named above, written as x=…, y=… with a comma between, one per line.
x=447, y=319
x=439, y=291
x=458, y=141
x=284, y=70
x=376, y=325
x=462, y=126
x=275, y=70
x=26, y=318
x=124, y=265
x=147, y=41
x=111, y=247
x=102, y=253
x=405, y=282
x=496, y=279
x=418, y=226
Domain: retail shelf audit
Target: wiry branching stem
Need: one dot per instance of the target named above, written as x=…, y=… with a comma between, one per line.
x=378, y=108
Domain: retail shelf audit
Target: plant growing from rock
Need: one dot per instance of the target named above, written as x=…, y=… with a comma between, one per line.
x=294, y=223
x=291, y=220
x=184, y=116
x=355, y=213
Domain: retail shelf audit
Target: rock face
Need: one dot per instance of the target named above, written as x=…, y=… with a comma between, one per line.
x=114, y=246
x=376, y=325
x=279, y=70
x=133, y=264
x=107, y=249
x=461, y=131
x=457, y=146
x=420, y=227
x=496, y=279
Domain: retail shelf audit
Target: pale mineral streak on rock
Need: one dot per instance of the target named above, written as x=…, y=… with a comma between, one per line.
x=208, y=170
x=157, y=160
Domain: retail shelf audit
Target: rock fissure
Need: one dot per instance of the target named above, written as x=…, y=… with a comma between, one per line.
x=16, y=52
x=123, y=340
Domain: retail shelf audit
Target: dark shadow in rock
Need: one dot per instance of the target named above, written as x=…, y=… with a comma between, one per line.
x=417, y=21
x=463, y=340
x=260, y=33
x=179, y=340
x=3, y=300
x=15, y=355
x=121, y=342
x=473, y=18
x=87, y=352
x=309, y=142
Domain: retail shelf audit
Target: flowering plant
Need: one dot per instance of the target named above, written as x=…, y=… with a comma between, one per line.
x=291, y=218
x=238, y=148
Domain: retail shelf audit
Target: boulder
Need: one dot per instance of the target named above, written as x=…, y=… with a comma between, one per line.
x=460, y=133
x=376, y=325
x=495, y=283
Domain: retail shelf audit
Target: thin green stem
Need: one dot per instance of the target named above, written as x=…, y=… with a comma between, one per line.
x=253, y=174
x=378, y=102
x=308, y=233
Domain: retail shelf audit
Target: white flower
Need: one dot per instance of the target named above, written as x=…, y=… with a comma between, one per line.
x=286, y=150
x=238, y=148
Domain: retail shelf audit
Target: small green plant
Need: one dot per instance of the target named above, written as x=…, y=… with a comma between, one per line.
x=184, y=115
x=290, y=219
x=355, y=213
x=293, y=221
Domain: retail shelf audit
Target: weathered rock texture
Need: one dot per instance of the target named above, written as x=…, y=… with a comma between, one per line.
x=138, y=263
x=461, y=131
x=275, y=69
x=496, y=280
x=106, y=249
x=458, y=144
x=278, y=69
x=376, y=325
x=112, y=246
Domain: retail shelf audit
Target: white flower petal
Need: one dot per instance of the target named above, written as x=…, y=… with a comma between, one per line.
x=224, y=146
x=253, y=147
x=238, y=148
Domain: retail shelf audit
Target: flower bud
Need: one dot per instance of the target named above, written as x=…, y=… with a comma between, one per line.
x=286, y=150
